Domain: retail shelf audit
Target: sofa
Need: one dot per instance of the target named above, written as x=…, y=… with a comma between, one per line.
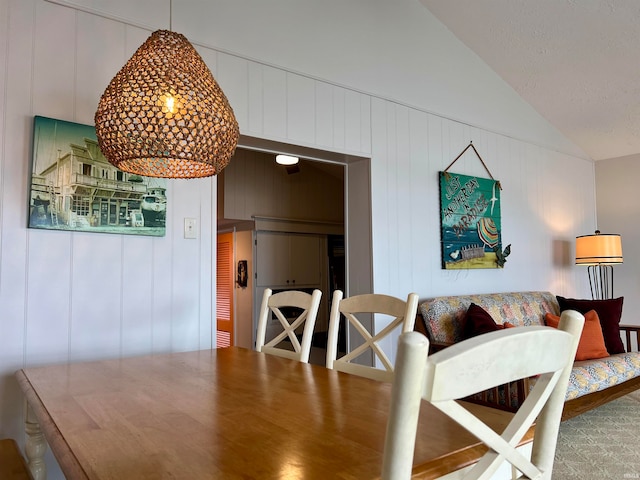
x=593, y=382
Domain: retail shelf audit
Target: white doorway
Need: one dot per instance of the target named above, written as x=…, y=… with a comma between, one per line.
x=356, y=214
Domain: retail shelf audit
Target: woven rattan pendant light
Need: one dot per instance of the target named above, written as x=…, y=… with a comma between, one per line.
x=164, y=115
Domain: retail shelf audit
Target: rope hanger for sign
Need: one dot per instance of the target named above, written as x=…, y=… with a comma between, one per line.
x=479, y=158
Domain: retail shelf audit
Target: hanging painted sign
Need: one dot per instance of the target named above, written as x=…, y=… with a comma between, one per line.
x=470, y=222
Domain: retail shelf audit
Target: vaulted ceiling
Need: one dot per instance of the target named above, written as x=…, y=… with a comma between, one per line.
x=575, y=61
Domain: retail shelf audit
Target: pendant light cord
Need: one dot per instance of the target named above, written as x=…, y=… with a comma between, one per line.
x=171, y=15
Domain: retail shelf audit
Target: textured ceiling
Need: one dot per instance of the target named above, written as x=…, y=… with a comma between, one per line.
x=575, y=61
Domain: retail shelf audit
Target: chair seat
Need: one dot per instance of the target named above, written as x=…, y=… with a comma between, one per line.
x=12, y=464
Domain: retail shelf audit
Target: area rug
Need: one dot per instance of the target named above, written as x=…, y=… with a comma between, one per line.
x=601, y=444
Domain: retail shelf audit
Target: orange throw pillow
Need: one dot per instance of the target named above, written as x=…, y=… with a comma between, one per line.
x=591, y=343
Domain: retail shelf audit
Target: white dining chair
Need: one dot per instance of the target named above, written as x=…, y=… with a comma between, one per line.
x=13, y=465
x=402, y=317
x=306, y=305
x=475, y=365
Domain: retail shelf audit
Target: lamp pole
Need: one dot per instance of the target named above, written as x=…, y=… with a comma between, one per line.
x=601, y=281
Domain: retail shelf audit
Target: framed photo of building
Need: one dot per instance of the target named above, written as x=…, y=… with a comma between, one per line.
x=75, y=188
x=471, y=231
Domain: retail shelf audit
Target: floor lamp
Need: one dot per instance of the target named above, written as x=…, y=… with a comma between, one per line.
x=599, y=252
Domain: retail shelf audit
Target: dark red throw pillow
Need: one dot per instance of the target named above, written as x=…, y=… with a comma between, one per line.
x=478, y=321
x=609, y=311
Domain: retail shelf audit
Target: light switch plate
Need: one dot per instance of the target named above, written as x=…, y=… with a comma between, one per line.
x=190, y=228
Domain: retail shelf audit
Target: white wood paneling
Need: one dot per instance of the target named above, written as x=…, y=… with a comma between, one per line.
x=301, y=113
x=419, y=197
x=136, y=291
x=339, y=118
x=94, y=69
x=274, y=103
x=49, y=258
x=186, y=274
x=296, y=109
x=379, y=188
x=541, y=212
x=162, y=278
x=232, y=77
x=54, y=63
x=255, y=98
x=406, y=210
x=150, y=14
x=48, y=290
x=17, y=76
x=356, y=138
x=324, y=114
x=437, y=162
x=96, y=296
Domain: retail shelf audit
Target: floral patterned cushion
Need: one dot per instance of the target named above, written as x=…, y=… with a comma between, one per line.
x=590, y=376
x=443, y=315
x=595, y=375
x=587, y=376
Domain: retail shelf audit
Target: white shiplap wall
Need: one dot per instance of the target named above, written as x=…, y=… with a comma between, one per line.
x=73, y=296
x=544, y=204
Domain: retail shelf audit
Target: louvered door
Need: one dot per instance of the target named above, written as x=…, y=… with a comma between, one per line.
x=224, y=291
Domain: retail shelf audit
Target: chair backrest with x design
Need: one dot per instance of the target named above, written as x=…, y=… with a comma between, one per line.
x=306, y=304
x=402, y=314
x=475, y=365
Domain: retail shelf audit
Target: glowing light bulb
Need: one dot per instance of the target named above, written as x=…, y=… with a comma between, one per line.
x=171, y=104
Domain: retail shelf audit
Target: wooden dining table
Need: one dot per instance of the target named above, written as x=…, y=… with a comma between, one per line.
x=227, y=413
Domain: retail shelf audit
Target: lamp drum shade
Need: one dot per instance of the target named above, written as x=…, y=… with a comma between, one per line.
x=164, y=115
x=599, y=249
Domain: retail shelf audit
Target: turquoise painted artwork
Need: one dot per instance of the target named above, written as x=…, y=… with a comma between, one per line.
x=470, y=222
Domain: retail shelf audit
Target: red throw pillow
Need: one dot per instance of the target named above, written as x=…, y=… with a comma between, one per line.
x=591, y=344
x=478, y=321
x=609, y=311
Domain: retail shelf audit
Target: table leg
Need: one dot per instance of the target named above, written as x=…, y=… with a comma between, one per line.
x=35, y=447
